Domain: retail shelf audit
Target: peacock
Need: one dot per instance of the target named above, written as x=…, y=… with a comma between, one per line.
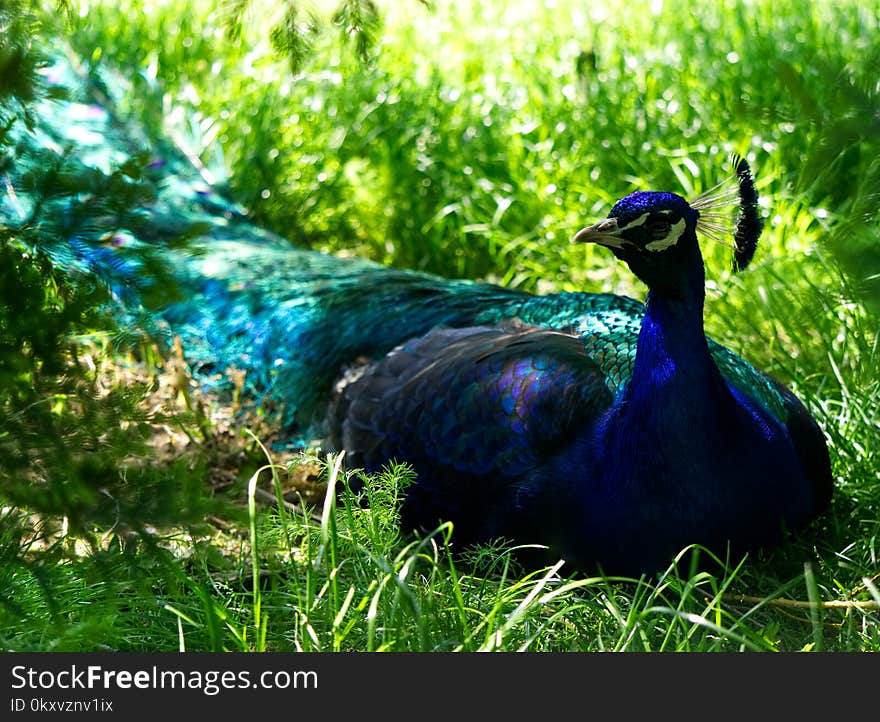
x=609, y=431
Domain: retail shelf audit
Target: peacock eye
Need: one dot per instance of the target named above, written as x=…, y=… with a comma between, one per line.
x=658, y=230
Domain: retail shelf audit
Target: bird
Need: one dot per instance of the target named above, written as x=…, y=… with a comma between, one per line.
x=608, y=431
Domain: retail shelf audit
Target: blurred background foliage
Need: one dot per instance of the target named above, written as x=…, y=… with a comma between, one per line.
x=473, y=138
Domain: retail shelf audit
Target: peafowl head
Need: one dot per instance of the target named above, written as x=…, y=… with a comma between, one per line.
x=655, y=233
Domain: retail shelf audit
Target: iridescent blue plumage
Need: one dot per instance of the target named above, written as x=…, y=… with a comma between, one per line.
x=609, y=430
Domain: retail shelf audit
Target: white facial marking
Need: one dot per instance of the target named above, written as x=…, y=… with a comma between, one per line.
x=640, y=221
x=670, y=240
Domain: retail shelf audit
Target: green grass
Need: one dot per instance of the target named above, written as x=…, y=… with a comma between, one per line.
x=475, y=142
x=349, y=582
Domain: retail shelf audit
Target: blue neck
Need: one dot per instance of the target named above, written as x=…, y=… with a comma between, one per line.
x=672, y=356
x=675, y=390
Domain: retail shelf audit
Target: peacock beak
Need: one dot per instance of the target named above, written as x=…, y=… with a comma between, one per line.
x=605, y=233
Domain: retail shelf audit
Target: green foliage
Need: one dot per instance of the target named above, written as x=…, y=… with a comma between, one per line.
x=294, y=34
x=69, y=446
x=18, y=61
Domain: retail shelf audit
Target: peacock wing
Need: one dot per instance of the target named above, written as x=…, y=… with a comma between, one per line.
x=476, y=401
